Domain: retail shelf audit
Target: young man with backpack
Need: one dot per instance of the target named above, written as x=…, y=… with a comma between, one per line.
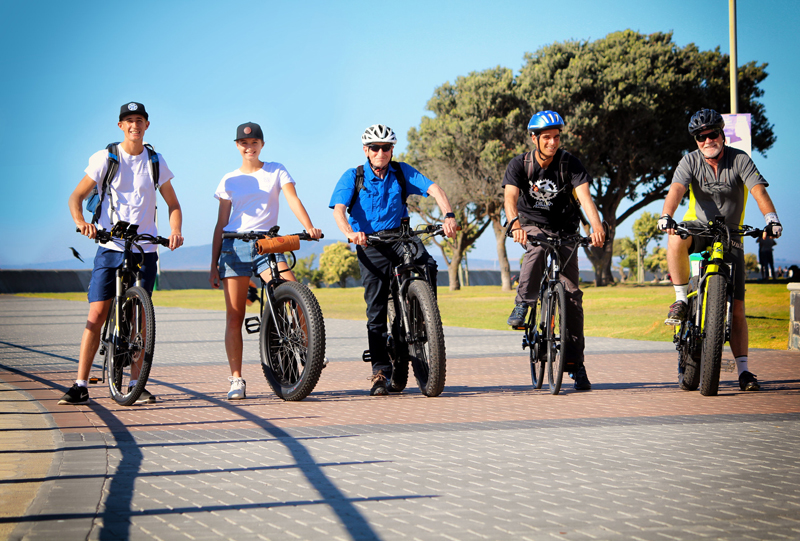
x=546, y=178
x=374, y=194
x=126, y=177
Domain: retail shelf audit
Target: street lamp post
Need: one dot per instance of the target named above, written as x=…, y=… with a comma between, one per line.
x=734, y=64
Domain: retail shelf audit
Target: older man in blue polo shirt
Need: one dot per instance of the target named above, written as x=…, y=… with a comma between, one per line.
x=379, y=206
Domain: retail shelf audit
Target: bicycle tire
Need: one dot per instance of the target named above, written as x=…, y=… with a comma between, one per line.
x=536, y=350
x=398, y=351
x=688, y=354
x=714, y=330
x=427, y=351
x=556, y=336
x=292, y=344
x=135, y=345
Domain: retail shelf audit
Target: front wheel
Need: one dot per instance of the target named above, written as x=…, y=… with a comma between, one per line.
x=129, y=351
x=425, y=338
x=398, y=350
x=714, y=329
x=536, y=346
x=556, y=329
x=292, y=342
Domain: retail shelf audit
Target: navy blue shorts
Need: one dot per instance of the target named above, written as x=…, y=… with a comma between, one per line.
x=106, y=262
x=240, y=258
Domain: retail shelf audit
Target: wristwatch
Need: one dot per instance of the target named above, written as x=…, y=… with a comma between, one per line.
x=450, y=215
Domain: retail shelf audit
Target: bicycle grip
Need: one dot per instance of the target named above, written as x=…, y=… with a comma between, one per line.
x=278, y=245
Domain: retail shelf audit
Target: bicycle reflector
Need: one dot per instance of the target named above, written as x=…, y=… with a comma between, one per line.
x=278, y=245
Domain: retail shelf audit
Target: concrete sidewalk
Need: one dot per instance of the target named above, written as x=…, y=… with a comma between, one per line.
x=490, y=458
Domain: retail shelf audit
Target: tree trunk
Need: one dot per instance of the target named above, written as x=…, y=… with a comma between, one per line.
x=502, y=254
x=452, y=271
x=601, y=259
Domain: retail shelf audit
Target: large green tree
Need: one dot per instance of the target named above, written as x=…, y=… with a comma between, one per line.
x=465, y=147
x=627, y=100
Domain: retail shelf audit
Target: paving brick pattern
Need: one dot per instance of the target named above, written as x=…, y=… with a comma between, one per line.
x=490, y=458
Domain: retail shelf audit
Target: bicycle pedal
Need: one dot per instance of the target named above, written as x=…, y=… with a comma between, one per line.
x=252, y=325
x=728, y=365
x=519, y=328
x=366, y=356
x=93, y=380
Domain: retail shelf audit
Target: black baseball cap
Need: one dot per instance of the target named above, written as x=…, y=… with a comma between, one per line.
x=249, y=130
x=132, y=108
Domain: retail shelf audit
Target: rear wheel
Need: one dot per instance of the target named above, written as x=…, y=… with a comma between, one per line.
x=537, y=348
x=689, y=353
x=129, y=351
x=714, y=329
x=556, y=328
x=425, y=339
x=398, y=351
x=292, y=342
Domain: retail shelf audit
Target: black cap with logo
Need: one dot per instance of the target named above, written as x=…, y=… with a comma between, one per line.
x=249, y=130
x=132, y=108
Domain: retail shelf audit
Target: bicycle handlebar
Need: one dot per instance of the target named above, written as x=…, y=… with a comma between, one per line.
x=104, y=236
x=686, y=230
x=406, y=235
x=560, y=240
x=258, y=235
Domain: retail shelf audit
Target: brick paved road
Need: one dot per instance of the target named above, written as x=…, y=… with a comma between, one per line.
x=489, y=459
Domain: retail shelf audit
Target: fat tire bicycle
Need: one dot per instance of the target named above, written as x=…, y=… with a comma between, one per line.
x=699, y=339
x=415, y=327
x=290, y=324
x=128, y=338
x=545, y=327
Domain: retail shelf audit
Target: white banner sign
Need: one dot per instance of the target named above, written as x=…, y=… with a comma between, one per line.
x=737, y=132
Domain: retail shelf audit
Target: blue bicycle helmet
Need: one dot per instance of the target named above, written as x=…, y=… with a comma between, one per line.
x=545, y=120
x=705, y=119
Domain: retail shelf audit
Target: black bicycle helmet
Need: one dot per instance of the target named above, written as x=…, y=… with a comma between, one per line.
x=705, y=119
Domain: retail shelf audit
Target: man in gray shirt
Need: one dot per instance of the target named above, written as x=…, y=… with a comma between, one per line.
x=718, y=178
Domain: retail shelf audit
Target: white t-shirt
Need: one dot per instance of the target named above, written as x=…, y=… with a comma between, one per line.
x=254, y=197
x=131, y=192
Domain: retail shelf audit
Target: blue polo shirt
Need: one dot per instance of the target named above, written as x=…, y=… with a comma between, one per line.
x=380, y=204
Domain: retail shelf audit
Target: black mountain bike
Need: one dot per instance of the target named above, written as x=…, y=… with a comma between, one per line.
x=291, y=326
x=546, y=332
x=415, y=326
x=700, y=337
x=129, y=333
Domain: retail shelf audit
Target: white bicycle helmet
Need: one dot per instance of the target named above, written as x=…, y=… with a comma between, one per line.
x=378, y=133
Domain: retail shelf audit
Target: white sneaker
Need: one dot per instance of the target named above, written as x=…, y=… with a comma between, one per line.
x=237, y=391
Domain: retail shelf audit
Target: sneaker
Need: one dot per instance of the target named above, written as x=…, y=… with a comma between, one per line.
x=378, y=385
x=517, y=317
x=145, y=397
x=237, y=391
x=582, y=382
x=75, y=396
x=748, y=382
x=677, y=313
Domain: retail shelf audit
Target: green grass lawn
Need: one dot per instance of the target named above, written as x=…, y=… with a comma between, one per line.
x=621, y=311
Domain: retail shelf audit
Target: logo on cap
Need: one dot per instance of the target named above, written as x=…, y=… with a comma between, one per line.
x=247, y=130
x=132, y=107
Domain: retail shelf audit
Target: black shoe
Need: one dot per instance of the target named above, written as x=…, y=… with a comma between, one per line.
x=517, y=317
x=378, y=385
x=75, y=396
x=748, y=382
x=582, y=382
x=144, y=398
x=677, y=313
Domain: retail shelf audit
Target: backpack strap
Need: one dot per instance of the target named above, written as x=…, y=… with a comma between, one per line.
x=359, y=185
x=152, y=159
x=112, y=167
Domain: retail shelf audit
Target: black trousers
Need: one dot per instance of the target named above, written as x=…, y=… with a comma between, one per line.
x=376, y=264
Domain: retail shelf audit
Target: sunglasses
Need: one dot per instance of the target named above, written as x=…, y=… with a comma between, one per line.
x=713, y=135
x=377, y=148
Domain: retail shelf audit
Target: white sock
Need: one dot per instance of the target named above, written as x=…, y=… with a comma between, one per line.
x=82, y=383
x=741, y=364
x=681, y=292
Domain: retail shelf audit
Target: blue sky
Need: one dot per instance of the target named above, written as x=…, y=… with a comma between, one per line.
x=314, y=75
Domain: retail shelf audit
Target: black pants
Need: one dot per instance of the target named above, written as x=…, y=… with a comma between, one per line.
x=767, y=266
x=376, y=264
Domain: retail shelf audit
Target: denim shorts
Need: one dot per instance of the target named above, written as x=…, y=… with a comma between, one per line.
x=102, y=286
x=240, y=258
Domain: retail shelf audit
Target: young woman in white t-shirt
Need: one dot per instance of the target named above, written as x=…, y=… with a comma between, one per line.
x=248, y=201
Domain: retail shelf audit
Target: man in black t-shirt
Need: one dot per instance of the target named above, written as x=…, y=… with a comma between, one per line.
x=548, y=181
